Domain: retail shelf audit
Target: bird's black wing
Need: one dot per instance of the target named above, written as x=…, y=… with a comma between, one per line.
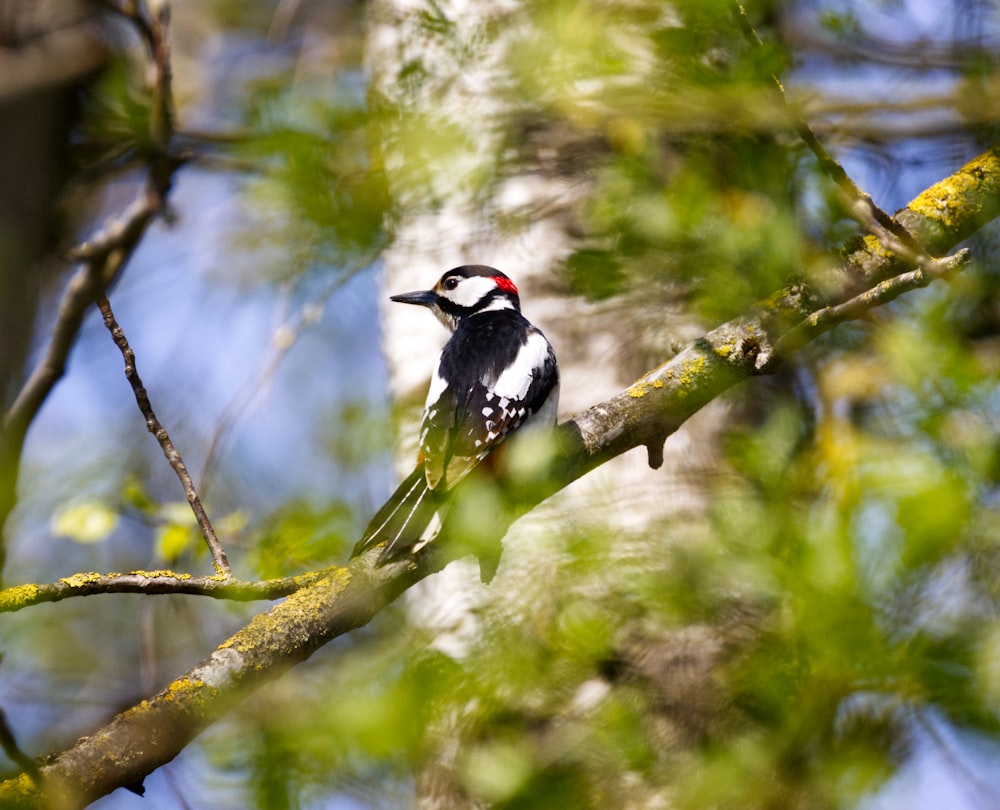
x=495, y=372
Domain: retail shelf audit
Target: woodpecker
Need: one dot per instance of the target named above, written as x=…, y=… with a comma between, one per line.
x=496, y=374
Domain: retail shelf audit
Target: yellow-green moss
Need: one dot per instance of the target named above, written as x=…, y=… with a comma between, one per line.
x=18, y=789
x=17, y=597
x=874, y=246
x=183, y=688
x=297, y=610
x=639, y=389
x=692, y=369
x=82, y=579
x=948, y=202
x=160, y=574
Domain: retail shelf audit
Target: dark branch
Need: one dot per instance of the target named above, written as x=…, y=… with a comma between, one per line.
x=860, y=204
x=104, y=256
x=155, y=427
x=13, y=751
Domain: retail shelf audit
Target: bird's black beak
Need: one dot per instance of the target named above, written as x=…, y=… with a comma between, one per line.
x=422, y=298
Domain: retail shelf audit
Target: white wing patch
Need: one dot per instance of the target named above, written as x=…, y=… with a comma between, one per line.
x=438, y=384
x=515, y=380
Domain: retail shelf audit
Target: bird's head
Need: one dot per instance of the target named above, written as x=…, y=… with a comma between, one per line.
x=466, y=291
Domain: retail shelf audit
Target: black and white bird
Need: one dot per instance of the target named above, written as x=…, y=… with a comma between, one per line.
x=497, y=374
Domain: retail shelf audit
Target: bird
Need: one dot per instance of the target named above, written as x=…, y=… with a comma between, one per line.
x=497, y=374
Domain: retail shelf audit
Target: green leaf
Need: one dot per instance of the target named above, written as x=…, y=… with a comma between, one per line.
x=84, y=522
x=173, y=539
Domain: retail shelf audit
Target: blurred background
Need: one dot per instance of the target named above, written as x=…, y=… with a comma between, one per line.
x=799, y=610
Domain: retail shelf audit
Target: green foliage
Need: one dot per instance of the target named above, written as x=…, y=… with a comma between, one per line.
x=115, y=120
x=692, y=186
x=862, y=533
x=301, y=536
x=836, y=590
x=321, y=174
x=775, y=644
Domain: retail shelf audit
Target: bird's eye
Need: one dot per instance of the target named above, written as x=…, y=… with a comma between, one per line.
x=450, y=283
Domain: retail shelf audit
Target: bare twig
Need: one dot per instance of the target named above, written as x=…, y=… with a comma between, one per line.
x=882, y=293
x=154, y=582
x=104, y=256
x=14, y=752
x=169, y=450
x=909, y=251
x=925, y=270
x=78, y=296
x=858, y=200
x=284, y=338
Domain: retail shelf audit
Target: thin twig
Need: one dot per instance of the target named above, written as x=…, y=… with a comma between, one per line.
x=980, y=793
x=284, y=338
x=909, y=251
x=14, y=752
x=104, y=256
x=120, y=232
x=824, y=319
x=169, y=450
x=858, y=199
x=155, y=582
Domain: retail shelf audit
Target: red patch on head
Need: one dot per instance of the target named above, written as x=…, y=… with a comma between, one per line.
x=505, y=284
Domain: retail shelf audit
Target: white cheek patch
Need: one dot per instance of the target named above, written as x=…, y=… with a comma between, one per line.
x=470, y=290
x=515, y=380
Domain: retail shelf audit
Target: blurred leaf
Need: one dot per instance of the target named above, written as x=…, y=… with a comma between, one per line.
x=84, y=522
x=595, y=273
x=496, y=772
x=301, y=535
x=174, y=540
x=115, y=121
x=136, y=496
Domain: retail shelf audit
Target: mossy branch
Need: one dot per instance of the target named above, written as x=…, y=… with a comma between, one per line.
x=153, y=582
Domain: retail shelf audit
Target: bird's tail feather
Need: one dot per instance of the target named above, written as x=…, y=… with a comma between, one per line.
x=403, y=520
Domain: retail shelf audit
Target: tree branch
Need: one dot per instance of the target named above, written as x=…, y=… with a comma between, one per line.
x=154, y=582
x=103, y=257
x=823, y=320
x=14, y=753
x=861, y=206
x=154, y=731
x=219, y=559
